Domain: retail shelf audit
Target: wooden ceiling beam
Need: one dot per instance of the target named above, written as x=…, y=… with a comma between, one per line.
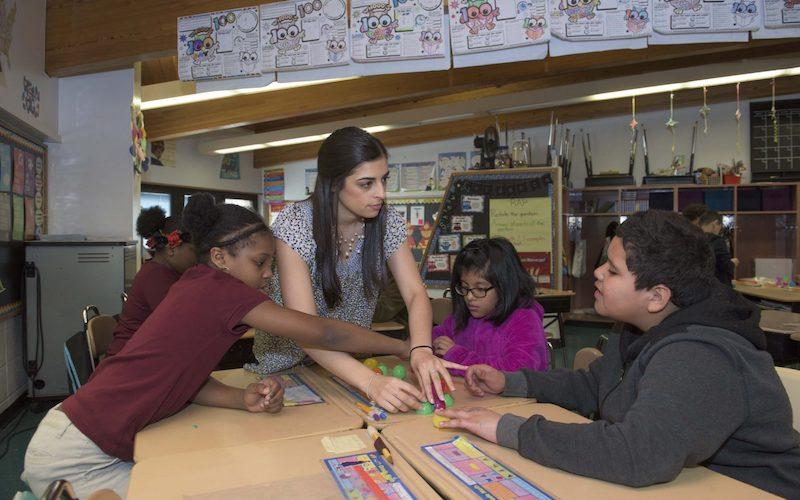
x=384, y=93
x=524, y=119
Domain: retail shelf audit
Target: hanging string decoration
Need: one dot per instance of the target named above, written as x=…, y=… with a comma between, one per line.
x=672, y=123
x=633, y=122
x=705, y=110
x=773, y=115
x=738, y=116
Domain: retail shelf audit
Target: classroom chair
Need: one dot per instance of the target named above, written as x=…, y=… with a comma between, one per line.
x=78, y=360
x=99, y=330
x=442, y=308
x=791, y=382
x=584, y=357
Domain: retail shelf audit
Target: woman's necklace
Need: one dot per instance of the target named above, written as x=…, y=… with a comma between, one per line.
x=358, y=235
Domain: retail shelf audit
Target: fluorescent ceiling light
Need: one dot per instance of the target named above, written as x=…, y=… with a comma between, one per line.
x=221, y=94
x=698, y=84
x=445, y=118
x=295, y=140
x=658, y=89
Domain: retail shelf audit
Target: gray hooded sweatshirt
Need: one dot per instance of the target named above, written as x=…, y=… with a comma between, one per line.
x=697, y=389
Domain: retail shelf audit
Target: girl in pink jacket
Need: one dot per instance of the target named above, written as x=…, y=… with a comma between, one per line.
x=496, y=320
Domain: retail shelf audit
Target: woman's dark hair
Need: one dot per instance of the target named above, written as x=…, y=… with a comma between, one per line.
x=213, y=224
x=341, y=153
x=662, y=247
x=154, y=223
x=497, y=260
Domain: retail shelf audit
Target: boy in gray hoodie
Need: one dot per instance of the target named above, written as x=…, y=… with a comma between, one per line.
x=696, y=388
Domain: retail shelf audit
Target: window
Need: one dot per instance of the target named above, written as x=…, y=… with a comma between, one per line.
x=163, y=200
x=173, y=198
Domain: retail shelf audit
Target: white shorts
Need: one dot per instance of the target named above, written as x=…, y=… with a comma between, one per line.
x=58, y=450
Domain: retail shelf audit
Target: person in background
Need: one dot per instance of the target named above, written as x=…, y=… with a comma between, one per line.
x=171, y=253
x=711, y=224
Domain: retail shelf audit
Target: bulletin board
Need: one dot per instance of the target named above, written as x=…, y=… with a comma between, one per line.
x=775, y=144
x=523, y=205
x=23, y=170
x=420, y=215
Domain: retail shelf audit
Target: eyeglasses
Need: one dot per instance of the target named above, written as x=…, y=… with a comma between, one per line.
x=478, y=293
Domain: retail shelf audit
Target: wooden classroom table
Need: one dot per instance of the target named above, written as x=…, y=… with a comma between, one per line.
x=770, y=293
x=461, y=396
x=200, y=427
x=409, y=437
x=292, y=468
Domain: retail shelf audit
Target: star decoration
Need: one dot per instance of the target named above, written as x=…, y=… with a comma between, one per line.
x=633, y=124
x=671, y=124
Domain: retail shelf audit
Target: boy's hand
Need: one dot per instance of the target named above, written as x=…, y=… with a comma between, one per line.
x=479, y=421
x=264, y=396
x=442, y=344
x=483, y=379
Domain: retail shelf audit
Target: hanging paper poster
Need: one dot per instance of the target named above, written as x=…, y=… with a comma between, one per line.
x=393, y=182
x=18, y=180
x=449, y=163
x=671, y=17
x=367, y=475
x=474, y=160
x=526, y=222
x=450, y=243
x=472, y=203
x=484, y=476
x=438, y=262
x=273, y=186
x=29, y=224
x=781, y=13
x=219, y=44
x=229, y=169
x=18, y=218
x=38, y=200
x=481, y=25
x=30, y=174
x=304, y=34
x=417, y=215
x=587, y=20
x=311, y=180
x=466, y=239
x=5, y=216
x=396, y=30
x=6, y=167
x=537, y=264
x=418, y=176
x=162, y=153
x=461, y=223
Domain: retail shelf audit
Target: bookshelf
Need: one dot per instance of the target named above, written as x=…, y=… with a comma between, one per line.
x=760, y=221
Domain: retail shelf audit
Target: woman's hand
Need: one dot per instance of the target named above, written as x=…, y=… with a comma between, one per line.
x=431, y=371
x=393, y=394
x=479, y=421
x=442, y=344
x=264, y=396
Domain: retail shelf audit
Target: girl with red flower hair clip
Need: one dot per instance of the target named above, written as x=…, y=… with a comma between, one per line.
x=171, y=253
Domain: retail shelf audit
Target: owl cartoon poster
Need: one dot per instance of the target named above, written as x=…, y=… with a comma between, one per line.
x=673, y=17
x=219, y=44
x=304, y=34
x=483, y=25
x=587, y=20
x=396, y=30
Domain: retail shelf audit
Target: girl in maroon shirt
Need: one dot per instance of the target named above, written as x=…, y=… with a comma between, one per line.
x=88, y=440
x=171, y=253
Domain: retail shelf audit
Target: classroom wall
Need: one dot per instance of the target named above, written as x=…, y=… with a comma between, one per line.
x=26, y=61
x=194, y=169
x=91, y=186
x=610, y=144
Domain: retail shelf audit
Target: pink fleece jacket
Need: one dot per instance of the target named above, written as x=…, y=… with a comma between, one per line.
x=519, y=342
